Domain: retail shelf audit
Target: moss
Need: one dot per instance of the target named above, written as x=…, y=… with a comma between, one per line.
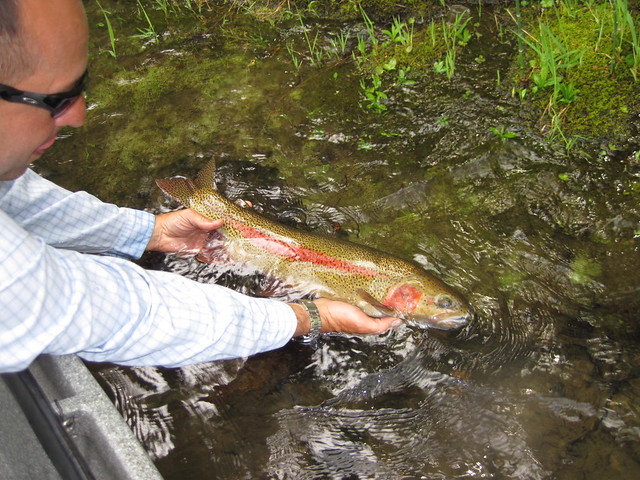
x=425, y=50
x=605, y=101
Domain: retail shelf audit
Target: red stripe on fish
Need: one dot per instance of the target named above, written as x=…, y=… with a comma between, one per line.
x=297, y=252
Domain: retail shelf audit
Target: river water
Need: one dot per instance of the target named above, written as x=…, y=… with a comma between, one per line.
x=543, y=384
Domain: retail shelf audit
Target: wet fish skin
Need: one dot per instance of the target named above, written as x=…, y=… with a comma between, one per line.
x=323, y=266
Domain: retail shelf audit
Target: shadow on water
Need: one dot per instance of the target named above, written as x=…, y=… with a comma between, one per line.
x=544, y=384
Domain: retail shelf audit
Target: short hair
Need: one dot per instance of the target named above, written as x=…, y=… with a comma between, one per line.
x=15, y=59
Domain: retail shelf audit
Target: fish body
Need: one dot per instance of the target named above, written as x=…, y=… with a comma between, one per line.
x=323, y=266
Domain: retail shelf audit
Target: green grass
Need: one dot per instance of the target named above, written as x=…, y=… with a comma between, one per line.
x=112, y=38
x=580, y=68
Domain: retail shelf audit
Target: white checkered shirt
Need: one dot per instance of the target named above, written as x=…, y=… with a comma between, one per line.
x=102, y=306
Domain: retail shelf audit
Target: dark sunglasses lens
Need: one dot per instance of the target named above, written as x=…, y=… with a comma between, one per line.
x=64, y=105
x=61, y=105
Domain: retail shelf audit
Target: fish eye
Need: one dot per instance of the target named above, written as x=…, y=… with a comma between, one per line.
x=444, y=301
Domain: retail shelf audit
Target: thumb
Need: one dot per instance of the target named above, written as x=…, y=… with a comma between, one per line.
x=204, y=223
x=387, y=323
x=210, y=225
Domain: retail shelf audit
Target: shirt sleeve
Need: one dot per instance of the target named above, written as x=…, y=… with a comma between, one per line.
x=75, y=220
x=109, y=309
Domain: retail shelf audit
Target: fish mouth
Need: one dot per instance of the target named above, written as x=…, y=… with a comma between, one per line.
x=442, y=321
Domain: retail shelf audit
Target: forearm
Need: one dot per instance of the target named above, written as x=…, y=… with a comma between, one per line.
x=76, y=221
x=108, y=309
x=183, y=322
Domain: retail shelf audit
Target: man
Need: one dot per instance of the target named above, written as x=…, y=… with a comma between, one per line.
x=98, y=304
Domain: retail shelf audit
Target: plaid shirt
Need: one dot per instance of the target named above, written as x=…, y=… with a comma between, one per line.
x=98, y=304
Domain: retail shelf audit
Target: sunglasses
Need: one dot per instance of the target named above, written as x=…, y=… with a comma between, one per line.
x=56, y=103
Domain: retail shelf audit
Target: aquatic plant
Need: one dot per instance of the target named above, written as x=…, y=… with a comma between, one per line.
x=552, y=58
x=569, y=97
x=163, y=5
x=315, y=52
x=454, y=34
x=149, y=32
x=112, y=37
x=374, y=94
x=295, y=59
x=400, y=33
x=376, y=59
x=502, y=133
x=567, y=92
x=625, y=32
x=402, y=79
x=195, y=7
x=361, y=47
x=367, y=46
x=339, y=45
x=370, y=27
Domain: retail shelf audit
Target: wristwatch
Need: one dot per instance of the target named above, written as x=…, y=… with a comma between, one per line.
x=314, y=316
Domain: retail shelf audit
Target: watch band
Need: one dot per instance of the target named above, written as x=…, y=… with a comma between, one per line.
x=314, y=316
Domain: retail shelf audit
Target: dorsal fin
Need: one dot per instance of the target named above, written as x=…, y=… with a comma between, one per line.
x=178, y=188
x=206, y=178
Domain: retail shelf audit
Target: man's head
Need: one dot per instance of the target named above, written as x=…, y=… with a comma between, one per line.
x=15, y=59
x=43, y=49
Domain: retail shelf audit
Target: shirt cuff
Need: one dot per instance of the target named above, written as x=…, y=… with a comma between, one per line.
x=136, y=233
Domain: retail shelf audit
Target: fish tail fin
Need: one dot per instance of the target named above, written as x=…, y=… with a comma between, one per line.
x=206, y=178
x=178, y=188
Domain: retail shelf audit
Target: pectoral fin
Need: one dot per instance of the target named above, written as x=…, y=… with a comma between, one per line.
x=383, y=309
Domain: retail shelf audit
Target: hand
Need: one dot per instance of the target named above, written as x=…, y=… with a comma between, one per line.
x=183, y=231
x=342, y=317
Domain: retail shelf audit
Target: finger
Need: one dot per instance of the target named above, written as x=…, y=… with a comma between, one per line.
x=386, y=323
x=204, y=223
x=211, y=225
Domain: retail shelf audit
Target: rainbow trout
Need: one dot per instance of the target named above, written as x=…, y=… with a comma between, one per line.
x=322, y=266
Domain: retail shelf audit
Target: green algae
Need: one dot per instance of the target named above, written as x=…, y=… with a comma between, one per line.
x=584, y=269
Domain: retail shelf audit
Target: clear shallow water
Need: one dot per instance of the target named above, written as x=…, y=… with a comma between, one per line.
x=544, y=384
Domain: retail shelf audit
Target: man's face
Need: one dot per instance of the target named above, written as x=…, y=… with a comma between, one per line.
x=56, y=31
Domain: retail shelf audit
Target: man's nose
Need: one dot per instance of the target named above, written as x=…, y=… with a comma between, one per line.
x=74, y=116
